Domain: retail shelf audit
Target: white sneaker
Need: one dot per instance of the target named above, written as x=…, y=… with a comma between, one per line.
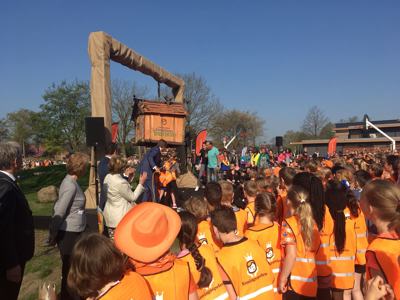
x=196, y=189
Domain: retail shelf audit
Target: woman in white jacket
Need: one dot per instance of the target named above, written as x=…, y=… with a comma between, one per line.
x=120, y=197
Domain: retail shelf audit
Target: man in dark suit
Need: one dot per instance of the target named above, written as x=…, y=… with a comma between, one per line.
x=16, y=224
x=151, y=164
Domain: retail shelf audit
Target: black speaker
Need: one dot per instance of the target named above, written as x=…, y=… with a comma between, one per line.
x=279, y=141
x=95, y=133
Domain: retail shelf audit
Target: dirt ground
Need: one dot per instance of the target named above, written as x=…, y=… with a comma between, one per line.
x=45, y=266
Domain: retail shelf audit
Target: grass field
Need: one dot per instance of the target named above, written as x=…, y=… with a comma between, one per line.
x=31, y=181
x=46, y=264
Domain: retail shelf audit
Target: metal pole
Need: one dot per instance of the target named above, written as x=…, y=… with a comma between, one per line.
x=230, y=142
x=368, y=123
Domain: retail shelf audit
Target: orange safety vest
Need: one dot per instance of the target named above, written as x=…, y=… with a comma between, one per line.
x=322, y=256
x=269, y=238
x=281, y=207
x=303, y=278
x=245, y=264
x=171, y=284
x=127, y=289
x=387, y=254
x=206, y=236
x=342, y=264
x=241, y=220
x=216, y=289
x=362, y=237
x=251, y=213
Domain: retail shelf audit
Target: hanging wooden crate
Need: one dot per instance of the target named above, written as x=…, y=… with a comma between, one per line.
x=159, y=120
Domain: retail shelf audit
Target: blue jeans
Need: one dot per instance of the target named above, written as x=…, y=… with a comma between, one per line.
x=148, y=193
x=211, y=175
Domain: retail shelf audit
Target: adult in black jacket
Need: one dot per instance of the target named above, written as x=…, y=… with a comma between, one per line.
x=151, y=163
x=16, y=224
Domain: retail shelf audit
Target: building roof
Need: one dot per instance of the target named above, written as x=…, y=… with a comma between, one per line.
x=360, y=125
x=347, y=141
x=142, y=106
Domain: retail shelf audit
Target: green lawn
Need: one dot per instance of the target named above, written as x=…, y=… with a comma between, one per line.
x=46, y=264
x=31, y=181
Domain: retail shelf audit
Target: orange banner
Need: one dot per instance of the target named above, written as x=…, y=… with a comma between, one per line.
x=201, y=137
x=332, y=146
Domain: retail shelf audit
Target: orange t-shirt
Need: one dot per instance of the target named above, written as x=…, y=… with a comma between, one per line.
x=131, y=287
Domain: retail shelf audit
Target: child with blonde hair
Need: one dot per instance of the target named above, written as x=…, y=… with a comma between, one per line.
x=198, y=207
x=250, y=192
x=380, y=202
x=267, y=233
x=300, y=242
x=226, y=200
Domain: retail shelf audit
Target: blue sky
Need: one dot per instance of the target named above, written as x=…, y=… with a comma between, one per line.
x=277, y=58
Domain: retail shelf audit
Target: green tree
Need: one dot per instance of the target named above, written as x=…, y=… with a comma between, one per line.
x=4, y=132
x=62, y=119
x=327, y=131
x=21, y=126
x=229, y=122
x=350, y=119
x=293, y=136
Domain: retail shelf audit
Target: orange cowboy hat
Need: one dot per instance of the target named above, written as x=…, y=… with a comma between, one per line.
x=327, y=163
x=147, y=231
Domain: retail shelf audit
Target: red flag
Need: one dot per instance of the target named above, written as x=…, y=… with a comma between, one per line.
x=201, y=137
x=332, y=146
x=114, y=132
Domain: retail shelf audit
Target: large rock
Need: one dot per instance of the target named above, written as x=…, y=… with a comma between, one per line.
x=187, y=180
x=47, y=194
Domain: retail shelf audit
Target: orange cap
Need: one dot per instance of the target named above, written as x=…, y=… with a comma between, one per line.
x=328, y=163
x=147, y=231
x=276, y=171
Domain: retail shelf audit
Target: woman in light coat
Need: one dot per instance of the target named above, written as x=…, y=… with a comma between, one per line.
x=119, y=194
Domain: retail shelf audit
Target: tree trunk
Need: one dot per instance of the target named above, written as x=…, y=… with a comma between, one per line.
x=23, y=148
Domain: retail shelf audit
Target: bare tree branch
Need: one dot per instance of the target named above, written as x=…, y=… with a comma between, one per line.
x=314, y=121
x=122, y=100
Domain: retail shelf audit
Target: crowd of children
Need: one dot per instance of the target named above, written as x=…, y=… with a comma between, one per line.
x=315, y=229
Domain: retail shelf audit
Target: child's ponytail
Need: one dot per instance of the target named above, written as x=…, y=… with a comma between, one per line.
x=337, y=197
x=187, y=237
x=265, y=205
x=300, y=201
x=205, y=273
x=352, y=203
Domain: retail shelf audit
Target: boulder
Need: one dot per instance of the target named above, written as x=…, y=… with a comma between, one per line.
x=187, y=180
x=47, y=194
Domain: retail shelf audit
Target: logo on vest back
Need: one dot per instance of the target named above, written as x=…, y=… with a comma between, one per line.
x=251, y=265
x=202, y=238
x=159, y=296
x=270, y=252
